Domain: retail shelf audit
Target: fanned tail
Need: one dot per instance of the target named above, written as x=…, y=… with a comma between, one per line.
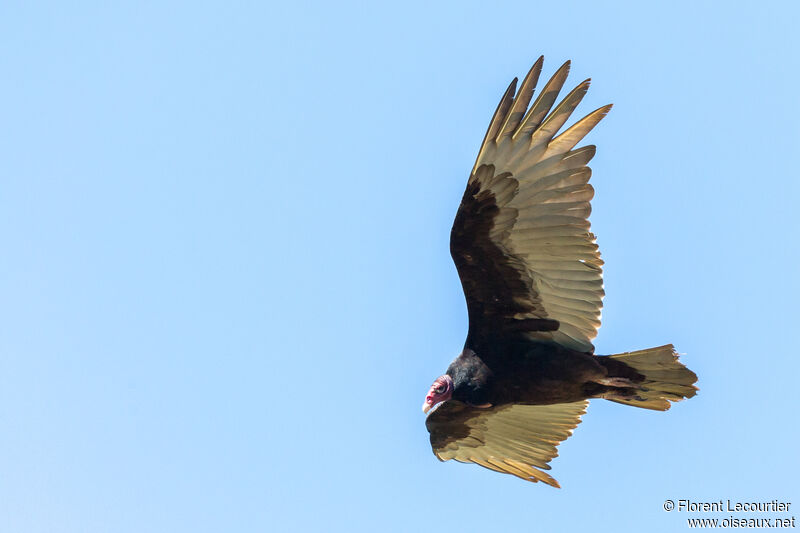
x=666, y=379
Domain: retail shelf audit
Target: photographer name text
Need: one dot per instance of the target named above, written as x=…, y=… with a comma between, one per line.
x=721, y=506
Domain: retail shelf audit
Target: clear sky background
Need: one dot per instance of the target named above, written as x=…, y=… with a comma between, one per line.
x=226, y=284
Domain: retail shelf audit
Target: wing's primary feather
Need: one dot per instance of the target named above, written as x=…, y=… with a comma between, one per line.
x=522, y=99
x=513, y=439
x=521, y=239
x=545, y=101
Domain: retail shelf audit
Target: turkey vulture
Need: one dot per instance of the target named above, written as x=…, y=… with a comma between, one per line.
x=532, y=277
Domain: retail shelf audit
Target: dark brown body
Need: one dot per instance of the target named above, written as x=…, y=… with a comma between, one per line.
x=522, y=371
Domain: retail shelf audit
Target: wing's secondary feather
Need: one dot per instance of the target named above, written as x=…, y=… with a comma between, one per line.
x=521, y=239
x=519, y=440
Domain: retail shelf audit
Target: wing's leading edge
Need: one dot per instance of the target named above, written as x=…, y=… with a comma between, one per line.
x=521, y=240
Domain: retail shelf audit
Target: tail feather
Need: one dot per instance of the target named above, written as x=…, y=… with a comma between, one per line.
x=666, y=379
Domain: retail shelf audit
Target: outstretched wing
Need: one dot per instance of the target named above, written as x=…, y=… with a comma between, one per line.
x=513, y=439
x=521, y=240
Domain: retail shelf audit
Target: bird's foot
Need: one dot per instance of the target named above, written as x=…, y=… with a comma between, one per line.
x=620, y=389
x=618, y=382
x=621, y=395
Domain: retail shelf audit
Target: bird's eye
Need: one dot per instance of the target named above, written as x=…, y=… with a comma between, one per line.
x=440, y=389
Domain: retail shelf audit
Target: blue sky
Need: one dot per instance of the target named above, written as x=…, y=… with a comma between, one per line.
x=226, y=282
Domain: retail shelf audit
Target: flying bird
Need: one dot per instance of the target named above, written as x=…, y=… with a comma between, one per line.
x=532, y=277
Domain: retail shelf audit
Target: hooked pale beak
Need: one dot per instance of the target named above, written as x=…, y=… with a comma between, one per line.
x=426, y=406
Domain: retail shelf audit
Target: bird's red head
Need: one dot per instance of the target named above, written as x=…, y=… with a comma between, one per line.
x=441, y=390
